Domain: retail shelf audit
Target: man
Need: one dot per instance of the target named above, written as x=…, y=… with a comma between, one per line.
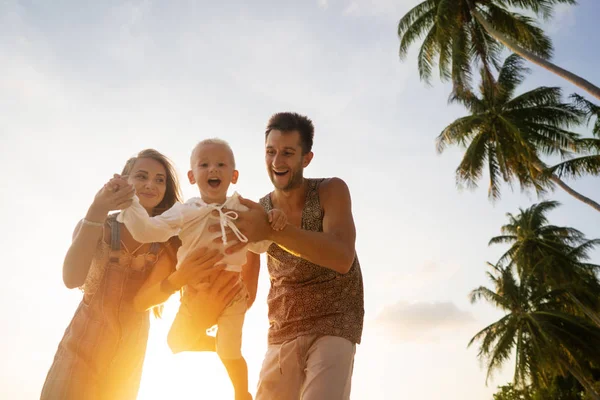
x=315, y=301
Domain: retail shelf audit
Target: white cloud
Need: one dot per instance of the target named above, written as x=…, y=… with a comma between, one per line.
x=420, y=281
x=352, y=9
x=386, y=9
x=423, y=321
x=562, y=20
x=425, y=274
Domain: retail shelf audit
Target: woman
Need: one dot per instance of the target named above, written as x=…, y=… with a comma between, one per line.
x=102, y=351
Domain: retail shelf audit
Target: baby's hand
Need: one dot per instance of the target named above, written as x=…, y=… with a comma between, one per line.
x=277, y=218
x=116, y=183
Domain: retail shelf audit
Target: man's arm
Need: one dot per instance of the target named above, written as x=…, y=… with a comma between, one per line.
x=333, y=248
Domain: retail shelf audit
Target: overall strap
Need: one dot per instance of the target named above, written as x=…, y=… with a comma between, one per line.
x=115, y=235
x=154, y=247
x=115, y=240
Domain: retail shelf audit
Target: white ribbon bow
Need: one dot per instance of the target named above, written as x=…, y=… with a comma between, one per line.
x=226, y=220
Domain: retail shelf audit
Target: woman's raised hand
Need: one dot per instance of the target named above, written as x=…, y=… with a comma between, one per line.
x=116, y=194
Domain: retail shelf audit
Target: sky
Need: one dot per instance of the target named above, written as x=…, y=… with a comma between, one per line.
x=84, y=85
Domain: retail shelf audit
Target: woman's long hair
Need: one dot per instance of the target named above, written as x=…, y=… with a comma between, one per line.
x=172, y=196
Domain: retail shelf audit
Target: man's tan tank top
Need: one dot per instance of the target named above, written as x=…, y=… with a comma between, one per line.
x=306, y=298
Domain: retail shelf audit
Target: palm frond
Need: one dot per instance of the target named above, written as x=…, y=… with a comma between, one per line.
x=458, y=132
x=489, y=334
x=414, y=25
x=426, y=57
x=512, y=74
x=495, y=169
x=543, y=8
x=590, y=109
x=502, y=239
x=576, y=167
x=490, y=296
x=471, y=167
x=503, y=349
x=521, y=29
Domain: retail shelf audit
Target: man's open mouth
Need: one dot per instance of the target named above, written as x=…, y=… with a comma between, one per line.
x=280, y=173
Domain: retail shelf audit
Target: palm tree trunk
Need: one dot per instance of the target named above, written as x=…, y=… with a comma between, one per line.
x=587, y=385
x=567, y=188
x=574, y=193
x=512, y=45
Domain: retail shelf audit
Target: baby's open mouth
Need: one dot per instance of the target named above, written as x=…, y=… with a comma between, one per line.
x=214, y=182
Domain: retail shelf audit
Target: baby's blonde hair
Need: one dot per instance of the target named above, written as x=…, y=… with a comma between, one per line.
x=215, y=141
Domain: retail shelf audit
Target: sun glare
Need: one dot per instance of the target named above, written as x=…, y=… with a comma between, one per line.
x=185, y=375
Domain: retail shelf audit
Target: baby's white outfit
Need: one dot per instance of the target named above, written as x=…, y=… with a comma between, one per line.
x=190, y=221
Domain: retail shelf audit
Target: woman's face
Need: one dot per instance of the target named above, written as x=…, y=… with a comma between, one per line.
x=149, y=179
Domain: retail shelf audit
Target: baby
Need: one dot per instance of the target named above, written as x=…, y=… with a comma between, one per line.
x=212, y=170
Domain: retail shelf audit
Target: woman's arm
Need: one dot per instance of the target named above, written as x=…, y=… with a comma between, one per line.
x=197, y=266
x=250, y=272
x=89, y=230
x=150, y=294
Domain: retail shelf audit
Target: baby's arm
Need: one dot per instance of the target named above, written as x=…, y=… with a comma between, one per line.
x=146, y=229
x=277, y=218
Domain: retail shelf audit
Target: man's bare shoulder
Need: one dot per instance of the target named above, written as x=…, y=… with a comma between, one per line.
x=333, y=189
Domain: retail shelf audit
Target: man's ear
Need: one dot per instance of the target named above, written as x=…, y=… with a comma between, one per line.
x=307, y=158
x=235, y=176
x=191, y=177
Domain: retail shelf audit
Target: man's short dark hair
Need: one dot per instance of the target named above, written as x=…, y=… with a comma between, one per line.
x=289, y=122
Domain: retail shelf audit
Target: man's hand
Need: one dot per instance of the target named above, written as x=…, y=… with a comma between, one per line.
x=254, y=224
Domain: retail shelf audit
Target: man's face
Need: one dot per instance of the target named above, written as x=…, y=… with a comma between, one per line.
x=284, y=159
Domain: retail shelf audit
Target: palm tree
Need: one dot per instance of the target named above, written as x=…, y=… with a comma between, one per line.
x=509, y=134
x=461, y=32
x=591, y=111
x=589, y=164
x=555, y=257
x=546, y=341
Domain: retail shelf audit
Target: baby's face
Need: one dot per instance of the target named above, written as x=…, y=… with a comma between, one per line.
x=213, y=171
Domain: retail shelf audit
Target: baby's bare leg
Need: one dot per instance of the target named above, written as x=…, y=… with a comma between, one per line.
x=183, y=336
x=229, y=346
x=238, y=373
